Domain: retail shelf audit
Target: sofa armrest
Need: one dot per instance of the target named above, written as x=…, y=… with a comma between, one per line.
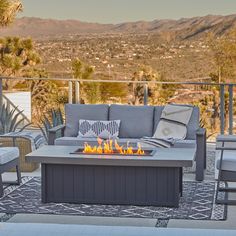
x=201, y=132
x=57, y=128
x=7, y=141
x=200, y=153
x=53, y=133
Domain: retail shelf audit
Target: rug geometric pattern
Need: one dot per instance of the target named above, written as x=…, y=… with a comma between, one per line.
x=197, y=203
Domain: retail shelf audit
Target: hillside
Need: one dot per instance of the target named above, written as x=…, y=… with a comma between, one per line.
x=184, y=28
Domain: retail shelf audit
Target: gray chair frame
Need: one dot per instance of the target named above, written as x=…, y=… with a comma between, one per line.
x=223, y=175
x=6, y=167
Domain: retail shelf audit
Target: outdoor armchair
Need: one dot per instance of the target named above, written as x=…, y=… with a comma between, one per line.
x=27, y=142
x=226, y=165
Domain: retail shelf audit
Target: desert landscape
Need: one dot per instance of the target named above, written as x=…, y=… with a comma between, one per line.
x=178, y=49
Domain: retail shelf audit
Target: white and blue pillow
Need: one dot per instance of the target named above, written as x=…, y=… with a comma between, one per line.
x=99, y=128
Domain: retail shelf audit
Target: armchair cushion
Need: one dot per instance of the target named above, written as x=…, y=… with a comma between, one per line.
x=228, y=162
x=8, y=154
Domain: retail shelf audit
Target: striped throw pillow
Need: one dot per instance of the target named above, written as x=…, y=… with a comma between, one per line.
x=99, y=128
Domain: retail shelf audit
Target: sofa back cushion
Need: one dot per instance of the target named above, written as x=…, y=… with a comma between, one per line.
x=136, y=121
x=76, y=112
x=192, y=126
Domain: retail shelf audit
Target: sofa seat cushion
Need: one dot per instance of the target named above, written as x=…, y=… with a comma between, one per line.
x=8, y=154
x=186, y=143
x=132, y=141
x=78, y=141
x=76, y=112
x=136, y=121
x=229, y=160
x=75, y=141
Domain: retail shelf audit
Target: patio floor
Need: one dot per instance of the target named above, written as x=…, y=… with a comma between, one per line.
x=116, y=221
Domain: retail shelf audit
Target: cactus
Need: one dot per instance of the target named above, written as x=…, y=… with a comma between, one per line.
x=10, y=120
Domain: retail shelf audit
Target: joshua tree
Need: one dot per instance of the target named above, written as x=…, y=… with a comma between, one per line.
x=44, y=93
x=157, y=93
x=16, y=56
x=8, y=11
x=224, y=55
x=137, y=90
x=89, y=91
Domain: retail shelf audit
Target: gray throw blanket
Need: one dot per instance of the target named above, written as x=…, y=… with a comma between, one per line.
x=157, y=142
x=36, y=138
x=172, y=126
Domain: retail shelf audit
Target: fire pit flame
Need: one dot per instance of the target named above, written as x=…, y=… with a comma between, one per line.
x=106, y=147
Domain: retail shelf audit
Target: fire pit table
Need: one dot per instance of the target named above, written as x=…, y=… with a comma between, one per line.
x=70, y=177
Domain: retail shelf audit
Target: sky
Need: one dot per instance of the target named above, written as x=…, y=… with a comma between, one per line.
x=118, y=11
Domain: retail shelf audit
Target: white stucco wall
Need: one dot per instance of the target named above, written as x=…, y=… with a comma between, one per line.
x=22, y=100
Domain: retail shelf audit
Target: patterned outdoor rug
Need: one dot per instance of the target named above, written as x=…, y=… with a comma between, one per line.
x=197, y=203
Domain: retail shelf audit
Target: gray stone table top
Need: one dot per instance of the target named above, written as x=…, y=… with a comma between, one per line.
x=163, y=157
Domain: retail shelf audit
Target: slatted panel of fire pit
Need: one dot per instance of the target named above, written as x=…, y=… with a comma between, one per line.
x=112, y=185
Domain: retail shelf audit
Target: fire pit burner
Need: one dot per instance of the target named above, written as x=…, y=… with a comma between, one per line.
x=112, y=147
x=147, y=152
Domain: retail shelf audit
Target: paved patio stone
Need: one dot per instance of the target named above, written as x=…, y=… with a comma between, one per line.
x=114, y=221
x=206, y=224
x=16, y=229
x=82, y=220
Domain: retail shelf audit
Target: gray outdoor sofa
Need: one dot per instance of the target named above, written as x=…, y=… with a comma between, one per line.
x=136, y=122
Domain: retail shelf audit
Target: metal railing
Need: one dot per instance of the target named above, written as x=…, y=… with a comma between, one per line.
x=224, y=88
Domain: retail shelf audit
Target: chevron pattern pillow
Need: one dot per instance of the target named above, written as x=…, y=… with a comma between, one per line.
x=99, y=128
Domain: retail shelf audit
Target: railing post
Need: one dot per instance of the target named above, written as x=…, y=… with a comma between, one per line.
x=77, y=92
x=231, y=109
x=222, y=109
x=145, y=97
x=70, y=92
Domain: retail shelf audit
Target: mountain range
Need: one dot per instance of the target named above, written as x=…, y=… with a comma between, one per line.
x=184, y=28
